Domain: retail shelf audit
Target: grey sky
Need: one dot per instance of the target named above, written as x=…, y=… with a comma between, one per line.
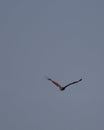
x=61, y=39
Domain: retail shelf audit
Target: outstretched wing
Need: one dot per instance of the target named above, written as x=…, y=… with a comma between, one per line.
x=55, y=83
x=73, y=83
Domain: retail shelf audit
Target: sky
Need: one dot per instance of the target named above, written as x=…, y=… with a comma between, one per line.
x=63, y=40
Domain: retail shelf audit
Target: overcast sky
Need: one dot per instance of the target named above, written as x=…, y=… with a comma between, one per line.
x=63, y=40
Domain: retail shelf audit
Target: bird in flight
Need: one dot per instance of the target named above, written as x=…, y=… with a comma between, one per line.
x=62, y=88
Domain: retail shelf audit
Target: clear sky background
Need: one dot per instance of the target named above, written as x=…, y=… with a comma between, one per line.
x=61, y=39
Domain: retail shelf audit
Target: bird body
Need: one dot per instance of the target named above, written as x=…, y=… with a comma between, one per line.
x=61, y=87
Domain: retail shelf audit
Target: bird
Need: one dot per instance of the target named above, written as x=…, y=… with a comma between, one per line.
x=62, y=88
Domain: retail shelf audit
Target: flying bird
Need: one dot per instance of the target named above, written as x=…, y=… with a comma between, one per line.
x=63, y=87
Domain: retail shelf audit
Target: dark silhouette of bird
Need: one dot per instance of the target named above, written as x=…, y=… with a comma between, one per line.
x=63, y=87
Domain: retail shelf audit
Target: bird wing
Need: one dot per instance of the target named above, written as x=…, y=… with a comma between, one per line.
x=55, y=83
x=73, y=83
